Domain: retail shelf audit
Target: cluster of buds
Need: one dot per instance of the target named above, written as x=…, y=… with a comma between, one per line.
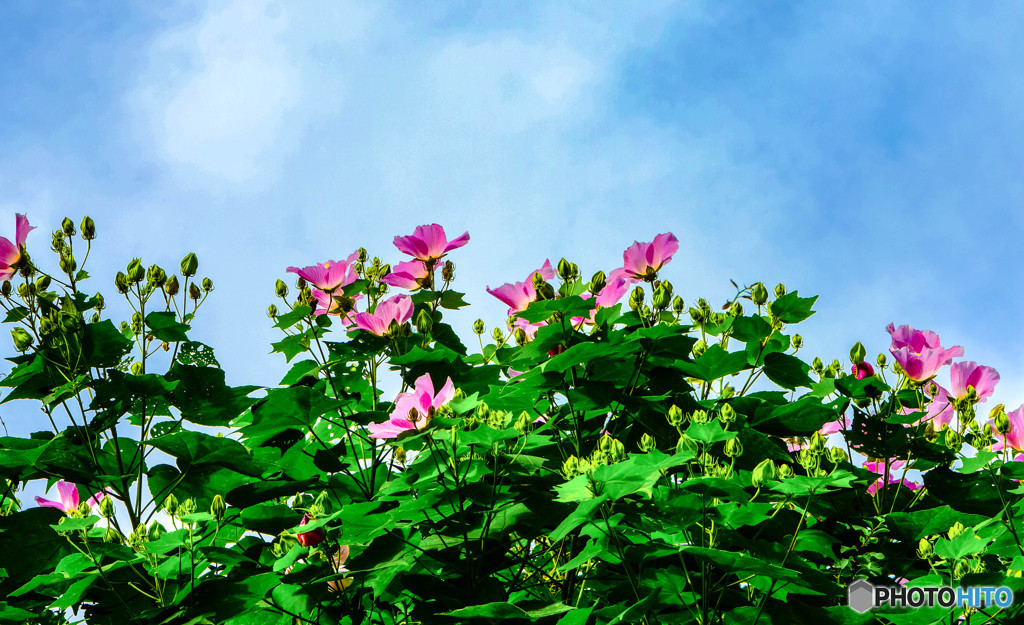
x=662, y=298
x=567, y=271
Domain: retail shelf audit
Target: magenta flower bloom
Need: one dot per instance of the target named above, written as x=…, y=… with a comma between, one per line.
x=329, y=276
x=610, y=295
x=428, y=243
x=969, y=374
x=413, y=411
x=519, y=295
x=642, y=261
x=311, y=538
x=833, y=427
x=409, y=275
x=397, y=309
x=1014, y=439
x=863, y=370
x=69, y=498
x=10, y=253
x=894, y=466
x=919, y=353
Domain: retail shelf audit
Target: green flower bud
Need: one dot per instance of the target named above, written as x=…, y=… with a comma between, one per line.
x=728, y=391
x=88, y=228
x=837, y=455
x=647, y=443
x=956, y=530
x=686, y=444
x=497, y=335
x=478, y=327
x=961, y=568
x=545, y=291
x=597, y=282
x=112, y=535
x=281, y=289
x=68, y=227
x=193, y=291
x=42, y=283
x=727, y=414
x=523, y=423
x=564, y=270
x=952, y=439
x=700, y=416
x=697, y=316
x=924, y=549
x=520, y=336
x=106, y=507
x=678, y=305
x=207, y=285
x=121, y=283
x=699, y=348
x=858, y=353
x=675, y=416
x=424, y=321
x=780, y=290
x=733, y=448
x=606, y=442
x=272, y=311
x=764, y=472
x=84, y=509
x=22, y=339
x=135, y=272
x=758, y=294
x=218, y=507
x=136, y=368
x=448, y=271
x=156, y=276
x=6, y=289
x=636, y=299
x=736, y=310
x=155, y=531
x=171, y=286
x=797, y=341
x=189, y=265
x=786, y=471
x=570, y=468
x=998, y=416
x=817, y=443
x=662, y=296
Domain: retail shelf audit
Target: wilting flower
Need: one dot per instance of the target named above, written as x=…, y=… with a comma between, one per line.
x=329, y=276
x=1014, y=439
x=397, y=309
x=610, y=295
x=863, y=370
x=69, y=498
x=642, y=261
x=894, y=465
x=337, y=562
x=968, y=374
x=311, y=538
x=919, y=352
x=10, y=253
x=413, y=411
x=519, y=295
x=428, y=243
x=409, y=275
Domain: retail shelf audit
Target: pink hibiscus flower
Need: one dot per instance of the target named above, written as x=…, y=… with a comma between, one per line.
x=409, y=275
x=642, y=261
x=969, y=374
x=311, y=538
x=428, y=243
x=610, y=295
x=329, y=276
x=69, y=498
x=879, y=468
x=397, y=309
x=519, y=295
x=919, y=352
x=862, y=370
x=413, y=411
x=10, y=253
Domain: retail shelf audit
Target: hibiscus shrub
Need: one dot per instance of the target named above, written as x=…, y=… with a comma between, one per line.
x=594, y=460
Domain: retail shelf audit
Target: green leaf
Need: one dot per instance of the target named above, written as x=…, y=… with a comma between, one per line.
x=583, y=513
x=978, y=461
x=496, y=610
x=751, y=329
x=70, y=524
x=165, y=327
x=804, y=485
x=787, y=371
x=715, y=363
x=965, y=544
x=292, y=317
x=710, y=432
x=103, y=345
x=791, y=308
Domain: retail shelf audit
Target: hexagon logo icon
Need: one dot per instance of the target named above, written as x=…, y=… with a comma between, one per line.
x=862, y=595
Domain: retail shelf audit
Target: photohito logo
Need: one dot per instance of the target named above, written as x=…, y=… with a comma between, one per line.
x=863, y=596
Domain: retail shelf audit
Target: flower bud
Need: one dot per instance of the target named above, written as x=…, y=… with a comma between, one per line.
x=68, y=227
x=636, y=299
x=736, y=309
x=136, y=368
x=424, y=321
x=207, y=285
x=881, y=361
x=311, y=538
x=521, y=338
x=961, y=568
x=700, y=416
x=281, y=289
x=817, y=365
x=858, y=353
x=194, y=292
x=837, y=455
x=155, y=531
x=758, y=294
x=686, y=444
x=84, y=509
x=497, y=335
x=448, y=271
x=42, y=283
x=699, y=348
x=956, y=530
x=570, y=468
x=523, y=423
x=22, y=339
x=952, y=439
x=647, y=443
x=727, y=391
x=218, y=507
x=780, y=290
x=606, y=442
x=189, y=265
x=733, y=448
x=156, y=276
x=564, y=270
x=764, y=472
x=727, y=414
x=998, y=416
x=675, y=416
x=88, y=228
x=478, y=327
x=5, y=289
x=112, y=535
x=785, y=471
x=106, y=507
x=171, y=286
x=678, y=305
x=121, y=283
x=924, y=549
x=545, y=291
x=817, y=443
x=598, y=282
x=135, y=271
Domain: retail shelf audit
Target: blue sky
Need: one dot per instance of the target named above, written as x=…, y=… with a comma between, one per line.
x=865, y=152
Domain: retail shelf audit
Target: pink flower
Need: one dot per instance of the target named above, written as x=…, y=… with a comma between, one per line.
x=894, y=465
x=642, y=261
x=413, y=411
x=919, y=353
x=863, y=370
x=519, y=295
x=409, y=275
x=398, y=310
x=940, y=410
x=428, y=243
x=311, y=538
x=1014, y=439
x=69, y=498
x=609, y=296
x=968, y=374
x=329, y=276
x=10, y=253
x=833, y=427
x=330, y=304
x=337, y=562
